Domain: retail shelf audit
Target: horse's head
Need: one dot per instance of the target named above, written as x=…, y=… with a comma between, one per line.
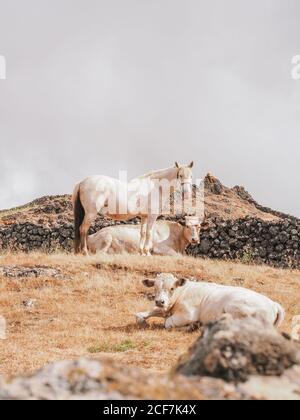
x=185, y=176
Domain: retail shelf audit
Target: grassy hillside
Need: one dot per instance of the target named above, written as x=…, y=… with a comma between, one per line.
x=89, y=309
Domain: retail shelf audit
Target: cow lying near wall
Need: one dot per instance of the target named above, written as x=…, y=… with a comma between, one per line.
x=183, y=303
x=170, y=238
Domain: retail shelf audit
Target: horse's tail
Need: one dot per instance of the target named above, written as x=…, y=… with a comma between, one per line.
x=79, y=214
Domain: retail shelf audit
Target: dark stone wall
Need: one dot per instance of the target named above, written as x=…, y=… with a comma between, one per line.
x=34, y=236
x=247, y=240
x=252, y=240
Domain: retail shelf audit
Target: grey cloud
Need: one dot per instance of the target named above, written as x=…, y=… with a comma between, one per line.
x=96, y=86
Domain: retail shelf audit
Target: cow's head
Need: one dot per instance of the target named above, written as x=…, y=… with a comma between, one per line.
x=192, y=229
x=165, y=286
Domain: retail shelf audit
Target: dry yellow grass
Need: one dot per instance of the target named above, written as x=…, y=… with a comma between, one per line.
x=91, y=311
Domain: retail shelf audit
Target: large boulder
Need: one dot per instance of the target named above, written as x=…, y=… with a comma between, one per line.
x=61, y=381
x=107, y=380
x=233, y=350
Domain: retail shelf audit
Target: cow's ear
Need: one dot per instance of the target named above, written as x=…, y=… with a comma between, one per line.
x=180, y=282
x=191, y=165
x=204, y=226
x=177, y=165
x=148, y=283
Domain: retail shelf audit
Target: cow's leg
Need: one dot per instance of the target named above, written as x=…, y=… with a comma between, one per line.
x=164, y=250
x=177, y=321
x=149, y=235
x=194, y=326
x=168, y=252
x=106, y=244
x=142, y=317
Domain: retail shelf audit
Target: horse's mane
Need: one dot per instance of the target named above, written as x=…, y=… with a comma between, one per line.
x=153, y=173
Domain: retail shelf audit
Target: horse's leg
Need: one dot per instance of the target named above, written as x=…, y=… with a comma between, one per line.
x=143, y=234
x=84, y=230
x=89, y=218
x=149, y=235
x=91, y=211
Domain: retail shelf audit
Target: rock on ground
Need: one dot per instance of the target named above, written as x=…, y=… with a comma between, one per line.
x=91, y=379
x=86, y=379
x=13, y=271
x=235, y=350
x=233, y=360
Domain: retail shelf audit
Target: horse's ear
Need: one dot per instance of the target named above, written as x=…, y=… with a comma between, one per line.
x=148, y=283
x=191, y=165
x=177, y=165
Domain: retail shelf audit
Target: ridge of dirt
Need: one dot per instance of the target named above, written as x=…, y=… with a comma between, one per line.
x=220, y=202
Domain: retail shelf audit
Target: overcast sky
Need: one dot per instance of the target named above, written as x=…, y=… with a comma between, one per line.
x=98, y=86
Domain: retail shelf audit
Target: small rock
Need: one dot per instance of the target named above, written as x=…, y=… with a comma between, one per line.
x=29, y=303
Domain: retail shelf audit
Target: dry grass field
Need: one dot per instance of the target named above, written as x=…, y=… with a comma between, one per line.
x=90, y=311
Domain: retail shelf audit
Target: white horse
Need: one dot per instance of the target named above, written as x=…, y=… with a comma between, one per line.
x=143, y=197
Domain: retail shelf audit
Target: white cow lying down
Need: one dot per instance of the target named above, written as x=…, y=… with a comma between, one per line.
x=184, y=302
x=170, y=238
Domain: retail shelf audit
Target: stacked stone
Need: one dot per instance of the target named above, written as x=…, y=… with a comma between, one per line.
x=252, y=240
x=248, y=240
x=58, y=236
